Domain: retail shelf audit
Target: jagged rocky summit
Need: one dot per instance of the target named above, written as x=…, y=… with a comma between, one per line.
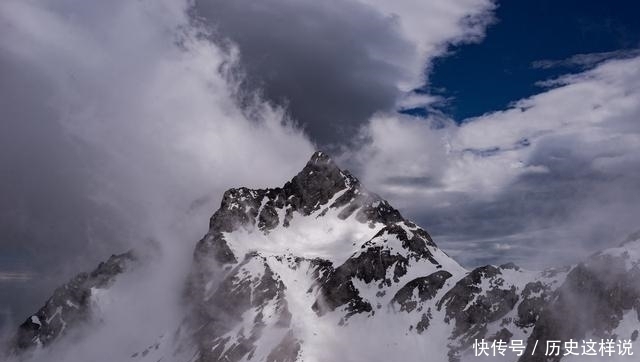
x=322, y=269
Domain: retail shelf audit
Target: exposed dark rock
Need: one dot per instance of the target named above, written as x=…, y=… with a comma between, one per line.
x=592, y=299
x=372, y=264
x=239, y=207
x=471, y=307
x=423, y=324
x=456, y=300
x=309, y=191
x=510, y=266
x=426, y=287
x=534, y=297
x=223, y=288
x=503, y=335
x=236, y=294
x=212, y=260
x=213, y=247
x=69, y=306
x=338, y=291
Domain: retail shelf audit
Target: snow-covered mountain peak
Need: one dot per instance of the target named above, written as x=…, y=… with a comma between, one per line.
x=322, y=212
x=326, y=251
x=322, y=269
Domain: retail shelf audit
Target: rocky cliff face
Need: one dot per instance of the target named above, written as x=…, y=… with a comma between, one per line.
x=323, y=269
x=69, y=306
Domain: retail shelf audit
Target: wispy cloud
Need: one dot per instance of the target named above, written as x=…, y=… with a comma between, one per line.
x=8, y=276
x=585, y=61
x=116, y=116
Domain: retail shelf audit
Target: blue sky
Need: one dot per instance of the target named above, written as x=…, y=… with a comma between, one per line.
x=488, y=76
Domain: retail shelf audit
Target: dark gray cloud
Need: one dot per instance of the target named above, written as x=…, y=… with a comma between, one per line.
x=49, y=226
x=109, y=130
x=108, y=133
x=117, y=115
x=331, y=62
x=541, y=220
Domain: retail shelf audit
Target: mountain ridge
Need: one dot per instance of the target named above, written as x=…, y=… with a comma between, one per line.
x=320, y=268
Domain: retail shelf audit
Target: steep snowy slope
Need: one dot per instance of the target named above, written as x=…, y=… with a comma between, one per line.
x=309, y=271
x=321, y=269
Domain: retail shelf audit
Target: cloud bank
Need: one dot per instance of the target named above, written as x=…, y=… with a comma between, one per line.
x=124, y=122
x=544, y=182
x=120, y=125
x=336, y=63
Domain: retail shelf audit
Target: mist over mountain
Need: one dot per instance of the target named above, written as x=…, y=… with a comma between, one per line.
x=498, y=141
x=323, y=269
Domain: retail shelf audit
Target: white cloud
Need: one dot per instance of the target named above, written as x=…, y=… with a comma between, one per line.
x=434, y=25
x=582, y=134
x=597, y=108
x=136, y=84
x=151, y=105
x=135, y=81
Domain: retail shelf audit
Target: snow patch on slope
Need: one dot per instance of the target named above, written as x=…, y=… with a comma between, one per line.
x=319, y=235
